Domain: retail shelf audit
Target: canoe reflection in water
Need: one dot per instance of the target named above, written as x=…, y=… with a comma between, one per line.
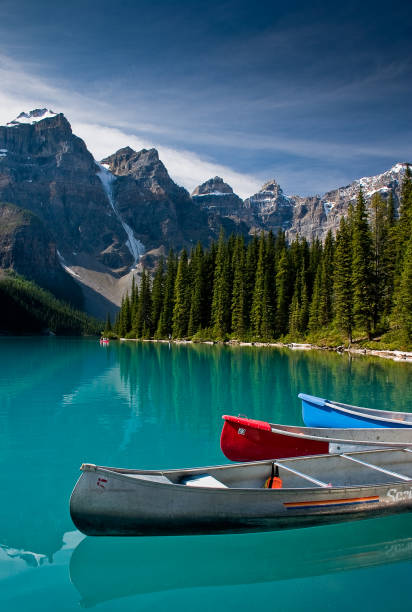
x=104, y=569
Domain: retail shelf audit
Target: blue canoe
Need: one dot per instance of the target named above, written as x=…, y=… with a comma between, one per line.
x=318, y=412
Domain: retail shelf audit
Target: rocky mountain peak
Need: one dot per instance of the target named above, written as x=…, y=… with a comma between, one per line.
x=271, y=186
x=33, y=116
x=128, y=162
x=214, y=186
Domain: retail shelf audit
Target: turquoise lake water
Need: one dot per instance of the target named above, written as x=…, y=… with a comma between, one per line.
x=64, y=401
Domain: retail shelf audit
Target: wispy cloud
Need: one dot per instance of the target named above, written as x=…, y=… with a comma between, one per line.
x=95, y=122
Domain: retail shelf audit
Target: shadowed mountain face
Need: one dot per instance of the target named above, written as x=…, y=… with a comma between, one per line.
x=45, y=168
x=101, y=218
x=28, y=248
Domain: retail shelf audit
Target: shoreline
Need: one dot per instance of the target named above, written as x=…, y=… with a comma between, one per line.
x=396, y=355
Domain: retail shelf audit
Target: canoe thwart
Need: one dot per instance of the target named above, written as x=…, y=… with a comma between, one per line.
x=377, y=468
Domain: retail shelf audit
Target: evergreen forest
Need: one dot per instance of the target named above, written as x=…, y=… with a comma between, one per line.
x=356, y=286
x=26, y=308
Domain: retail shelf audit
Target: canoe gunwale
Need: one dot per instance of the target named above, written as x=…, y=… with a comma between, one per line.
x=128, y=475
x=371, y=415
x=368, y=411
x=304, y=436
x=247, y=491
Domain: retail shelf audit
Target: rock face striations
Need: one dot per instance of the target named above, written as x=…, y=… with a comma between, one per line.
x=95, y=220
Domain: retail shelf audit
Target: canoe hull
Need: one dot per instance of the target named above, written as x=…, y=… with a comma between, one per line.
x=249, y=440
x=318, y=412
x=129, y=507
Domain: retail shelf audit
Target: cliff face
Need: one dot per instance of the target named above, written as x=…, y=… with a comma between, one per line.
x=27, y=248
x=45, y=168
x=160, y=212
x=314, y=216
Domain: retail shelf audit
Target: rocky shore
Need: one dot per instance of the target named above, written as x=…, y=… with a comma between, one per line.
x=396, y=355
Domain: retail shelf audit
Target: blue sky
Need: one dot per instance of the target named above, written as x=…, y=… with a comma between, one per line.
x=313, y=94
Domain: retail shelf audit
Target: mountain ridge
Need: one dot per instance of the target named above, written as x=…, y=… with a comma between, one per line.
x=104, y=216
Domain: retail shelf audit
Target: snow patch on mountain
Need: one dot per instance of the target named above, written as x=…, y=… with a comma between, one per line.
x=211, y=193
x=64, y=264
x=33, y=116
x=135, y=246
x=327, y=207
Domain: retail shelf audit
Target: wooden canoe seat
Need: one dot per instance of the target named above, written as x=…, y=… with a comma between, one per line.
x=204, y=480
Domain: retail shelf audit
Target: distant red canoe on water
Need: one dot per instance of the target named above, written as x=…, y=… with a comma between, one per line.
x=244, y=439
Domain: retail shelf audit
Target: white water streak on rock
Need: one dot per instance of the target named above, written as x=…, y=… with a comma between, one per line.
x=134, y=245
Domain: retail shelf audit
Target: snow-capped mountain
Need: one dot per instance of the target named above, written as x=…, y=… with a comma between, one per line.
x=314, y=216
x=38, y=114
x=95, y=220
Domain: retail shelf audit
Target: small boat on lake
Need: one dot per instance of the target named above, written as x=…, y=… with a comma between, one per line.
x=244, y=439
x=319, y=412
x=230, y=498
x=104, y=340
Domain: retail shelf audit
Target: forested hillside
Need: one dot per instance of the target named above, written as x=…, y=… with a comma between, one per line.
x=357, y=285
x=26, y=308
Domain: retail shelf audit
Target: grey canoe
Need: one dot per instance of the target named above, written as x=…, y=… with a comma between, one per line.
x=231, y=498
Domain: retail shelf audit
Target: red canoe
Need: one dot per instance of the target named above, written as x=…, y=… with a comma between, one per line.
x=246, y=439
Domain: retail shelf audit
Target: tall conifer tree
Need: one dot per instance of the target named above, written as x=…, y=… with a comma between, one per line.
x=158, y=291
x=181, y=309
x=343, y=287
x=198, y=298
x=222, y=290
x=165, y=324
x=362, y=272
x=239, y=289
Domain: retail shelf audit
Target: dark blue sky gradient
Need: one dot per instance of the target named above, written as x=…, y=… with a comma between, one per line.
x=314, y=94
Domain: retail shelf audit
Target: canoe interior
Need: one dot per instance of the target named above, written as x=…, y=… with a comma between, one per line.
x=369, y=417
x=390, y=435
x=297, y=473
x=389, y=414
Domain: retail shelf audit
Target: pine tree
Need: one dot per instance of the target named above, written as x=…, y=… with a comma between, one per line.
x=108, y=326
x=165, y=324
x=127, y=315
x=181, y=310
x=252, y=254
x=304, y=304
x=198, y=298
x=404, y=294
x=239, y=289
x=380, y=227
x=258, y=300
x=314, y=310
x=362, y=273
x=389, y=256
x=405, y=212
x=221, y=291
x=158, y=290
x=294, y=310
x=299, y=308
x=134, y=297
x=209, y=264
x=282, y=294
x=343, y=288
x=143, y=319
x=326, y=281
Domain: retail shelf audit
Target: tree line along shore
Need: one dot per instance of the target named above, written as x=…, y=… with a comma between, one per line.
x=356, y=287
